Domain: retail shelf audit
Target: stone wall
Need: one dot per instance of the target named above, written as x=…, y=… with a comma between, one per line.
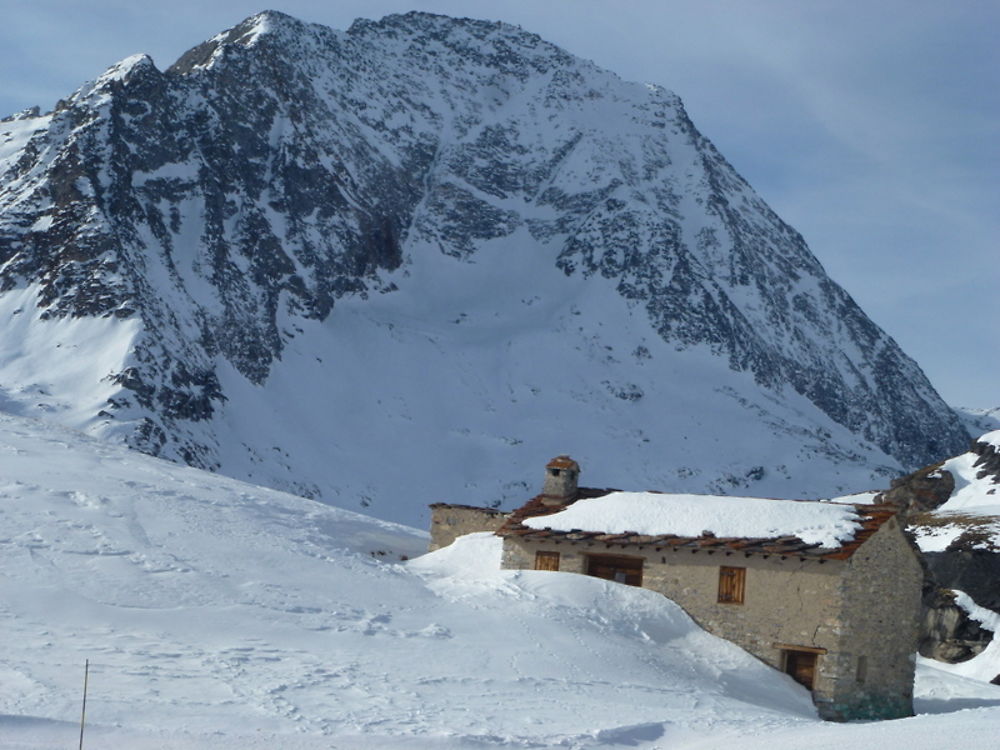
x=882, y=616
x=867, y=607
x=787, y=602
x=451, y=521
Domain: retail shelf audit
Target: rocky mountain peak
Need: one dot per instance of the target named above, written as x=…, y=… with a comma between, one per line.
x=266, y=25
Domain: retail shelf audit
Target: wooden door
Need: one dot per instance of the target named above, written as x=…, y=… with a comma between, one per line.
x=621, y=569
x=801, y=665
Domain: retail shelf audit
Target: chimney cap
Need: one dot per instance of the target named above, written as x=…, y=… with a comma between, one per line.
x=563, y=462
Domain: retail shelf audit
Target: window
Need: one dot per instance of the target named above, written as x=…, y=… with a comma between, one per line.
x=862, y=672
x=546, y=561
x=732, y=585
x=626, y=570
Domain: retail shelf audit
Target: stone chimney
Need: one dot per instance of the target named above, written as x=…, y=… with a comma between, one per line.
x=561, y=474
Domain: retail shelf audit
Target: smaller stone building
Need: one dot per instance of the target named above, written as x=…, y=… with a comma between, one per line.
x=836, y=604
x=451, y=521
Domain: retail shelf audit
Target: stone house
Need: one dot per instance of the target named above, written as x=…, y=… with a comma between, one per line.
x=833, y=600
x=451, y=521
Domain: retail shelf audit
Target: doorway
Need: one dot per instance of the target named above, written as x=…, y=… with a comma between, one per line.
x=801, y=666
x=626, y=570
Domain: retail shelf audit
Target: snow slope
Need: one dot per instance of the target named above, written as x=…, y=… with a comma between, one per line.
x=207, y=604
x=468, y=394
x=217, y=614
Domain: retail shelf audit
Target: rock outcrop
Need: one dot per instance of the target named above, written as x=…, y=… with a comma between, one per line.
x=923, y=490
x=948, y=633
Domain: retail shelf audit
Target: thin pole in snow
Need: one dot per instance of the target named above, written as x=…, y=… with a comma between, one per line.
x=83, y=712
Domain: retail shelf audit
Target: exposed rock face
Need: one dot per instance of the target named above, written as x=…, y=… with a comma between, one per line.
x=988, y=462
x=976, y=572
x=948, y=633
x=923, y=490
x=233, y=201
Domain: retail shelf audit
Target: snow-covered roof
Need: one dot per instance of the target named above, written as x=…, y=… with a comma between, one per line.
x=803, y=528
x=653, y=514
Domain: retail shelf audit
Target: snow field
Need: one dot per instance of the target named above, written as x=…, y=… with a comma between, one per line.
x=208, y=605
x=221, y=615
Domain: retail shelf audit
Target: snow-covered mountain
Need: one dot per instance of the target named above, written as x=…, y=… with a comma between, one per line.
x=979, y=421
x=411, y=261
x=220, y=615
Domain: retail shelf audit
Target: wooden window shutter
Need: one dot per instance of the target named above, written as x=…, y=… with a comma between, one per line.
x=732, y=585
x=546, y=561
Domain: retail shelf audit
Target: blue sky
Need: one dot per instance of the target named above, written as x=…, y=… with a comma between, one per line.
x=871, y=127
